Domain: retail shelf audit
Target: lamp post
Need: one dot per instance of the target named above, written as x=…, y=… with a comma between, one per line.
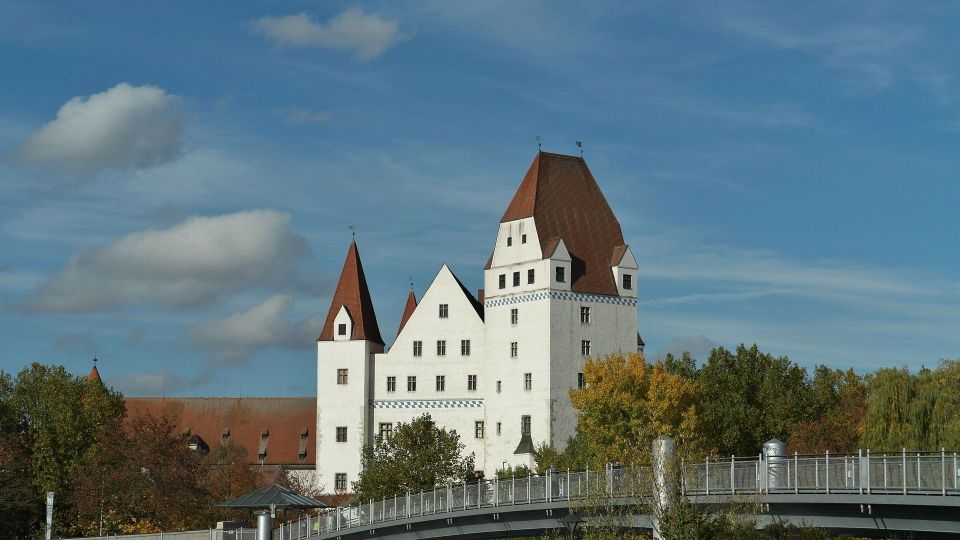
x=570, y=522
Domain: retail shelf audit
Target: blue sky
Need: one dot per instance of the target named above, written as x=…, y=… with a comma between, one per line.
x=177, y=179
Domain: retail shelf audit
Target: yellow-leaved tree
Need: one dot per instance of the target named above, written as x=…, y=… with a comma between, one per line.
x=627, y=403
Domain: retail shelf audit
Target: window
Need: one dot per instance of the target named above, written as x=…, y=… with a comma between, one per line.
x=509, y=241
x=342, y=376
x=341, y=433
x=498, y=387
x=503, y=281
x=341, y=329
x=411, y=383
x=498, y=428
x=530, y=276
x=444, y=311
x=465, y=347
x=528, y=381
x=516, y=279
x=478, y=429
x=523, y=239
x=581, y=382
x=340, y=481
x=471, y=382
x=418, y=348
x=585, y=347
x=584, y=315
x=525, y=424
x=386, y=430
x=441, y=347
x=513, y=349
x=627, y=282
x=561, y=274
x=514, y=315
x=441, y=383
x=391, y=384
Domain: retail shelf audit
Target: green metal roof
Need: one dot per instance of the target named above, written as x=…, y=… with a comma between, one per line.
x=274, y=495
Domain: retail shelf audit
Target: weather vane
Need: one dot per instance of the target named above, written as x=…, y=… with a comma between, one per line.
x=538, y=143
x=580, y=146
x=411, y=282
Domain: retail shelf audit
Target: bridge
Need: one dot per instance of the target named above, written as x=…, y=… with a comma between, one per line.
x=867, y=494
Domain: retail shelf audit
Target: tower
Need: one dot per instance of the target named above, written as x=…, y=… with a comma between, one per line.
x=345, y=374
x=560, y=286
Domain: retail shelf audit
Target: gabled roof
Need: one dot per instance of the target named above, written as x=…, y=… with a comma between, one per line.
x=353, y=293
x=407, y=310
x=563, y=198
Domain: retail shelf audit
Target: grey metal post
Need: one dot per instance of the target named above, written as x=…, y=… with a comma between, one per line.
x=708, y=475
x=826, y=471
x=264, y=525
x=479, y=484
x=513, y=488
x=796, y=472
x=904, y=471
x=664, y=490
x=860, y=466
x=868, y=471
x=733, y=484
x=918, y=471
x=496, y=491
x=464, y=494
x=528, y=487
x=943, y=471
x=337, y=518
x=884, y=473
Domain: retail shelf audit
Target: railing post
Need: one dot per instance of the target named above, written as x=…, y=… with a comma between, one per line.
x=860, y=466
x=904, y=469
x=337, y=518
x=496, y=491
x=683, y=479
x=868, y=472
x=707, y=483
x=943, y=471
x=464, y=494
x=796, y=472
x=479, y=486
x=918, y=472
x=568, y=484
x=884, y=473
x=421, y=503
x=733, y=479
x=513, y=488
x=826, y=471
x=529, y=477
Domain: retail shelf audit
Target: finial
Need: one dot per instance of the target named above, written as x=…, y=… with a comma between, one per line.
x=94, y=360
x=353, y=232
x=411, y=283
x=538, y=143
x=580, y=146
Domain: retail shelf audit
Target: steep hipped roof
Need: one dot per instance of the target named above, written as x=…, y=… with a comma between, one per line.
x=407, y=310
x=352, y=292
x=244, y=420
x=563, y=198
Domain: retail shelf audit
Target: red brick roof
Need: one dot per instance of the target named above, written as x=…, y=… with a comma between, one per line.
x=352, y=292
x=246, y=418
x=563, y=198
x=407, y=310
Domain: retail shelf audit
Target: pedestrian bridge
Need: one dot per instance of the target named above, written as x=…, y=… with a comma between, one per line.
x=871, y=495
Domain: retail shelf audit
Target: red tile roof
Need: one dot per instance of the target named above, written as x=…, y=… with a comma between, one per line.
x=353, y=293
x=94, y=375
x=618, y=253
x=563, y=198
x=246, y=418
x=407, y=310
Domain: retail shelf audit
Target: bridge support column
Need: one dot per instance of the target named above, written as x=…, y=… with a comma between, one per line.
x=664, y=485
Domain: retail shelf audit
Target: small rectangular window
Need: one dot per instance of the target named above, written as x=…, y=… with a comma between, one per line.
x=441, y=347
x=585, y=347
x=523, y=238
x=441, y=383
x=525, y=425
x=581, y=382
x=530, y=276
x=386, y=430
x=498, y=428
x=516, y=279
x=561, y=274
x=411, y=383
x=513, y=349
x=471, y=382
x=514, y=315
x=509, y=241
x=627, y=282
x=528, y=381
x=342, y=376
x=584, y=315
x=391, y=384
x=498, y=386
x=340, y=481
x=341, y=433
x=465, y=347
x=503, y=281
x=478, y=429
x=341, y=329
x=418, y=348
x=444, y=310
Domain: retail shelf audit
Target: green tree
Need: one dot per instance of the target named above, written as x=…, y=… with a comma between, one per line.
x=838, y=405
x=418, y=457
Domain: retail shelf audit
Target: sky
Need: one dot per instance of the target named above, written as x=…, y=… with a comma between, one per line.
x=178, y=180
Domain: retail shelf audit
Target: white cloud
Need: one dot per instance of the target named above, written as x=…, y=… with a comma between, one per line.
x=193, y=263
x=125, y=127
x=236, y=338
x=368, y=35
x=299, y=117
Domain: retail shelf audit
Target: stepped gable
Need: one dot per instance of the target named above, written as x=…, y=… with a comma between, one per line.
x=407, y=310
x=353, y=293
x=563, y=198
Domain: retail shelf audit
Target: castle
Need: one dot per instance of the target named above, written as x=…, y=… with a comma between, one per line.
x=559, y=286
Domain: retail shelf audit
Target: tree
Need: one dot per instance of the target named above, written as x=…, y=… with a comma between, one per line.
x=626, y=403
x=418, y=457
x=838, y=403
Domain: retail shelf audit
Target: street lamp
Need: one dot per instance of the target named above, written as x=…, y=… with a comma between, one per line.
x=570, y=522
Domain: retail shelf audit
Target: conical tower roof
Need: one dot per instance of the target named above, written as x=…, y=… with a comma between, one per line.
x=407, y=310
x=94, y=375
x=352, y=293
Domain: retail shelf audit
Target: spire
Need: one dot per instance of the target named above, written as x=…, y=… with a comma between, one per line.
x=353, y=294
x=94, y=375
x=407, y=310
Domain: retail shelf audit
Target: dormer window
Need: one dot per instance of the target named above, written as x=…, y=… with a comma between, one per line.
x=341, y=329
x=262, y=450
x=444, y=311
x=627, y=282
x=561, y=274
x=509, y=241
